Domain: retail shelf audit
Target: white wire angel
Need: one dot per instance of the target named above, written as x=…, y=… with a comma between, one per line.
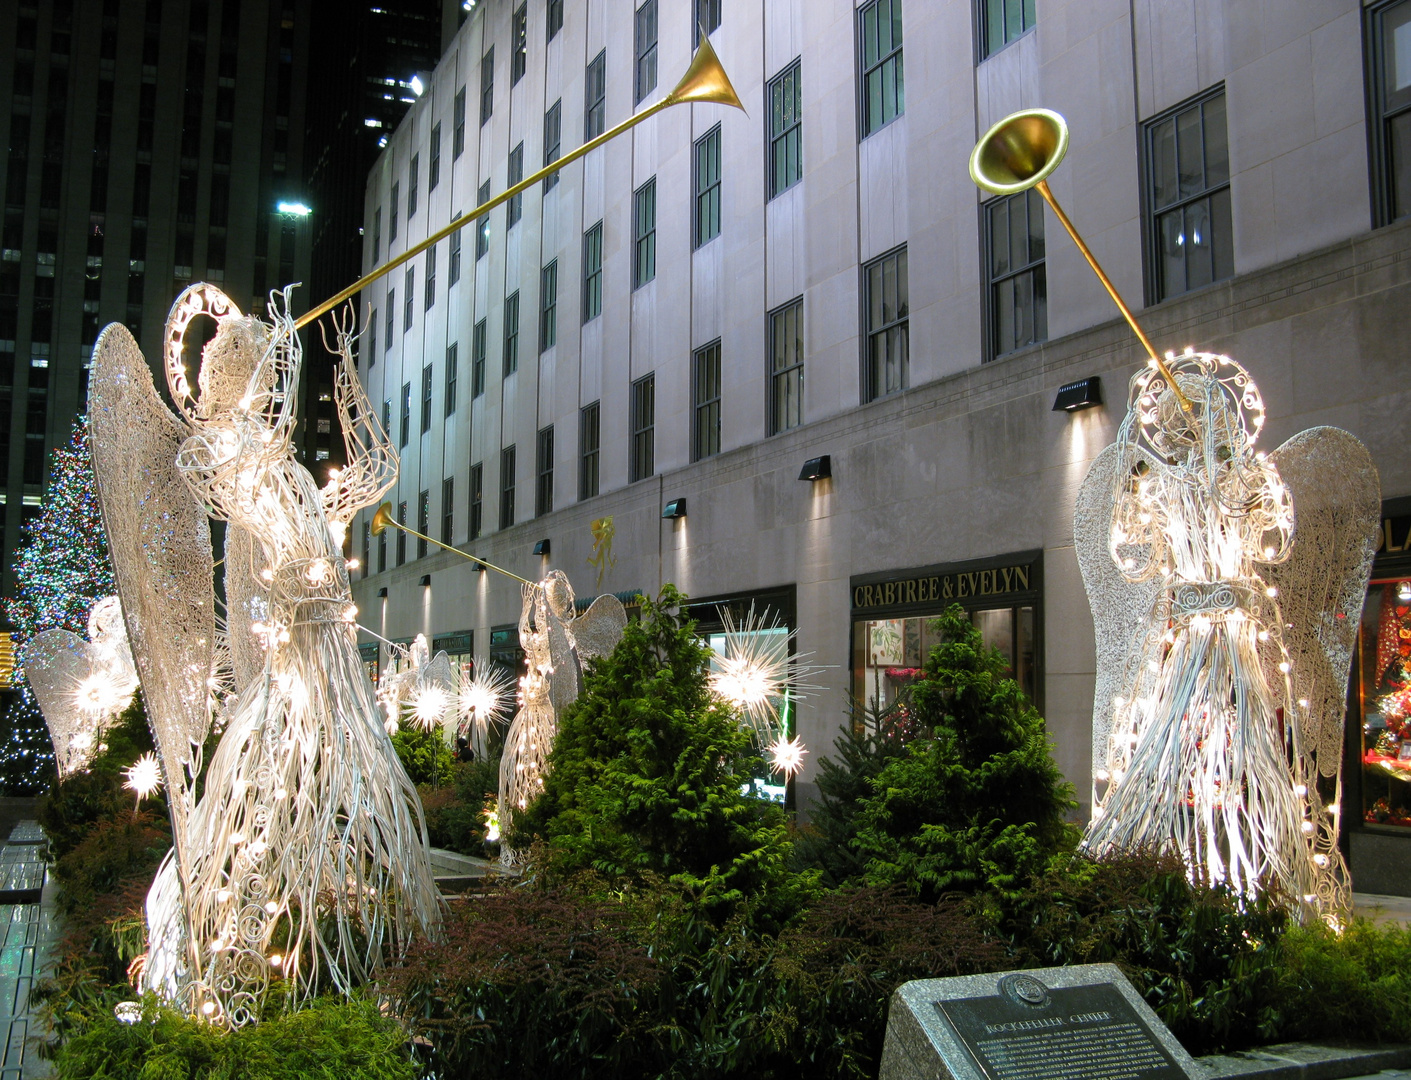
x=421, y=684
x=1217, y=723
x=306, y=855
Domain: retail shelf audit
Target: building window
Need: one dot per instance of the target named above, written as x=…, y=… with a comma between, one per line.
x=433, y=171
x=452, y=363
x=391, y=318
x=412, y=184
x=401, y=534
x=553, y=136
x=423, y=522
x=487, y=86
x=593, y=272
x=507, y=487
x=516, y=174
x=392, y=219
x=409, y=298
x=371, y=339
x=644, y=233
x=482, y=227
x=644, y=395
x=387, y=416
x=477, y=360
x=426, y=374
x=382, y=553
x=367, y=548
x=406, y=414
x=511, y=355
x=707, y=173
x=376, y=236
x=429, y=289
x=544, y=473
x=1001, y=21
x=708, y=16
x=555, y=14
x=448, y=509
x=588, y=446
x=519, y=43
x=646, y=51
x=1018, y=293
x=705, y=387
x=785, y=130
x=884, y=283
x=548, y=305
x=1188, y=162
x=453, y=271
x=595, y=97
x=477, y=509
x=883, y=88
x=786, y=367
x=1389, y=69
x=458, y=114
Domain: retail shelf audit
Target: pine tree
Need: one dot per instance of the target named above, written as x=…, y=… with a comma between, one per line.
x=26, y=755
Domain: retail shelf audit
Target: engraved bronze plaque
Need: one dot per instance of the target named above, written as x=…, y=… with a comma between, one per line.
x=1033, y=1032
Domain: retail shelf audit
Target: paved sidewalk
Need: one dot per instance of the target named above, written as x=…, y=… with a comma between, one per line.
x=28, y=935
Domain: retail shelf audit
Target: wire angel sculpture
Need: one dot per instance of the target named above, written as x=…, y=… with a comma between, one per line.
x=306, y=854
x=1226, y=587
x=82, y=686
x=420, y=685
x=557, y=646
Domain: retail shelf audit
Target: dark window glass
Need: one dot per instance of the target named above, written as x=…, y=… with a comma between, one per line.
x=593, y=272
x=433, y=171
x=507, y=487
x=883, y=87
x=511, y=333
x=482, y=227
x=406, y=435
x=515, y=206
x=707, y=16
x=705, y=387
x=487, y=86
x=588, y=446
x=644, y=233
x=401, y=536
x=408, y=298
x=555, y=14
x=477, y=490
x=429, y=289
x=448, y=509
x=452, y=374
x=453, y=268
x=595, y=98
x=544, y=473
x=887, y=367
x=1389, y=71
x=392, y=221
x=548, y=305
x=643, y=415
x=786, y=367
x=423, y=522
x=1018, y=294
x=785, y=130
x=426, y=374
x=519, y=43
x=413, y=183
x=1001, y=21
x=391, y=321
x=477, y=360
x=553, y=137
x=458, y=115
x=707, y=174
x=646, y=50
x=377, y=236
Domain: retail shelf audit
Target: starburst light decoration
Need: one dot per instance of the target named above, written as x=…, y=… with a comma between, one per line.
x=483, y=701
x=757, y=674
x=1226, y=586
x=786, y=755
x=143, y=776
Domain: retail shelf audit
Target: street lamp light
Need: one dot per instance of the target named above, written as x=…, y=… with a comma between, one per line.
x=294, y=209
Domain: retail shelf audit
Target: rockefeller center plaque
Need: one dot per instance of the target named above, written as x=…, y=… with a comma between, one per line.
x=1074, y=1023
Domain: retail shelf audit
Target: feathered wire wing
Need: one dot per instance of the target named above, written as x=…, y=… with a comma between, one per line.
x=246, y=603
x=1120, y=607
x=55, y=663
x=598, y=630
x=159, y=538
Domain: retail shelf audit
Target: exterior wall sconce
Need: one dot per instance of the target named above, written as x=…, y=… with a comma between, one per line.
x=426, y=581
x=382, y=592
x=478, y=567
x=1083, y=394
x=676, y=508
x=819, y=468
x=542, y=547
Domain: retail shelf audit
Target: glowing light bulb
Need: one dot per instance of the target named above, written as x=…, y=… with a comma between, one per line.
x=144, y=776
x=786, y=755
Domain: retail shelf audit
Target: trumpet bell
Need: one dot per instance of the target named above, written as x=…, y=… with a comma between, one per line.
x=382, y=519
x=1019, y=151
x=705, y=80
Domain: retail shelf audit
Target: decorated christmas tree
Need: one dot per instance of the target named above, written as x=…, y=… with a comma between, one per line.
x=26, y=754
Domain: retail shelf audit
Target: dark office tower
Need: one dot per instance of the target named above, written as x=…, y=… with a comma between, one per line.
x=149, y=145
x=361, y=83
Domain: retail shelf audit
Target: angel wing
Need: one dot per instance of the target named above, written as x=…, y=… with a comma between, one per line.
x=246, y=603
x=372, y=462
x=56, y=662
x=160, y=541
x=1120, y=607
x=598, y=630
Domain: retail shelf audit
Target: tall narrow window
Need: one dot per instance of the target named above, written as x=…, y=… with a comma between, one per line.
x=553, y=136
x=477, y=360
x=382, y=552
x=707, y=16
x=433, y=169
x=1188, y=162
x=519, y=43
x=786, y=367
x=487, y=86
x=452, y=375
x=448, y=509
x=595, y=98
x=643, y=415
x=429, y=289
x=887, y=307
x=555, y=18
x=646, y=51
x=883, y=88
x=413, y=184
x=548, y=305
x=1388, y=38
x=423, y=522
x=367, y=548
x=453, y=270
x=387, y=417
x=408, y=298
x=377, y=236
x=588, y=446
x=1018, y=294
x=406, y=415
x=458, y=116
x=507, y=487
x=544, y=472
x=516, y=173
x=785, y=130
x=426, y=374
x=477, y=504
x=644, y=233
x=392, y=220
x=593, y=272
x=401, y=534
x=1001, y=21
x=705, y=386
x=391, y=318
x=511, y=355
x=482, y=227
x=372, y=338
x=707, y=173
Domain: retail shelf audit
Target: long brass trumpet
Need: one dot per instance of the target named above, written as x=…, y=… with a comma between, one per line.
x=1019, y=153
x=383, y=520
x=705, y=80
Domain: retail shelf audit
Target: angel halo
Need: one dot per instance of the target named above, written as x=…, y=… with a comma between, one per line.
x=306, y=855
x=1226, y=586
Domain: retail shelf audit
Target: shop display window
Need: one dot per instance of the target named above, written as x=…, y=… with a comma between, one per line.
x=1384, y=689
x=773, y=642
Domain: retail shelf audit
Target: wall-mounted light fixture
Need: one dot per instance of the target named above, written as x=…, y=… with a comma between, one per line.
x=382, y=592
x=676, y=508
x=818, y=468
x=542, y=547
x=478, y=567
x=1083, y=394
x=426, y=581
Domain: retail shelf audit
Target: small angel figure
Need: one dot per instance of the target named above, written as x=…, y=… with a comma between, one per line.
x=1213, y=745
x=422, y=684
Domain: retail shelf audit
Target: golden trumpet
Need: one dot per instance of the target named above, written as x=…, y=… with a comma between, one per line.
x=1019, y=153
x=383, y=519
x=705, y=80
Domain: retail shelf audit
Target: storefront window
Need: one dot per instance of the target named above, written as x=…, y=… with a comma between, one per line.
x=1384, y=690
x=772, y=644
x=369, y=653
